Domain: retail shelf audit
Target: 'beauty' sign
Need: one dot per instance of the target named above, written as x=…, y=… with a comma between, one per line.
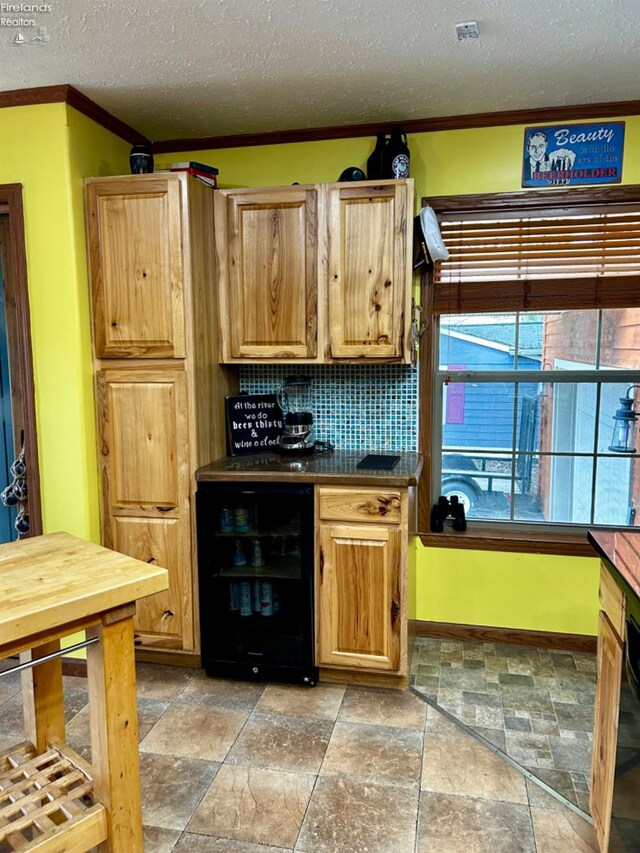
x=570, y=154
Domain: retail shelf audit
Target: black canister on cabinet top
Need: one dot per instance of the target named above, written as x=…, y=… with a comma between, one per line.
x=141, y=159
x=374, y=163
x=395, y=157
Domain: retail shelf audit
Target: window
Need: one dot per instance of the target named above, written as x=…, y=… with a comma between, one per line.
x=536, y=339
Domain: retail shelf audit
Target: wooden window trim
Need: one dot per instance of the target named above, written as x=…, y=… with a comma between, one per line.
x=477, y=536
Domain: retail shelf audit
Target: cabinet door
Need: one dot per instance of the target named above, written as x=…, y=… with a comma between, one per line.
x=145, y=488
x=160, y=619
x=143, y=437
x=359, y=607
x=369, y=270
x=270, y=278
x=136, y=270
x=605, y=732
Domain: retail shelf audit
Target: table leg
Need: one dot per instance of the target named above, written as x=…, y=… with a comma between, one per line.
x=114, y=730
x=42, y=698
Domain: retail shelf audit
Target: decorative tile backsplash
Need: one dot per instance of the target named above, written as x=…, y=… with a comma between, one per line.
x=355, y=406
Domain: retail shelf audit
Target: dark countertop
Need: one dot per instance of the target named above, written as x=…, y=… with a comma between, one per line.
x=622, y=550
x=338, y=468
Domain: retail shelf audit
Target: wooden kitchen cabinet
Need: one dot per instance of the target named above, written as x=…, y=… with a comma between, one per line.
x=269, y=262
x=144, y=478
x=607, y=704
x=369, y=270
x=159, y=389
x=135, y=258
x=318, y=273
x=361, y=583
x=605, y=731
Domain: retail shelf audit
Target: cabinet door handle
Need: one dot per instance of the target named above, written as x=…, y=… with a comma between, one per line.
x=395, y=612
x=321, y=565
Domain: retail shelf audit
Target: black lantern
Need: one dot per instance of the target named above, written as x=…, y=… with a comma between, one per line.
x=141, y=158
x=623, y=440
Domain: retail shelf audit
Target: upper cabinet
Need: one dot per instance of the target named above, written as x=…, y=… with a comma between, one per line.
x=135, y=239
x=369, y=270
x=270, y=264
x=317, y=273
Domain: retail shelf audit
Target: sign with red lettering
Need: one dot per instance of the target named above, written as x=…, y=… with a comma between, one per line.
x=572, y=154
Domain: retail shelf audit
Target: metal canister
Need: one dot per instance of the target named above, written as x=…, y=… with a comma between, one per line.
x=234, y=596
x=266, y=598
x=226, y=520
x=241, y=519
x=245, y=598
x=257, y=597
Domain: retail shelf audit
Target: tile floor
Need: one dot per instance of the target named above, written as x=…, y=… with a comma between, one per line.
x=534, y=704
x=236, y=767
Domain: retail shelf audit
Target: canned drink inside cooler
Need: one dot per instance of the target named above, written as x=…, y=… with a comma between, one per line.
x=266, y=598
x=226, y=520
x=257, y=597
x=245, y=598
x=234, y=596
x=241, y=519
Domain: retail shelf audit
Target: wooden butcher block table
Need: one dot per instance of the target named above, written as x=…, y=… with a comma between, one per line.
x=51, y=800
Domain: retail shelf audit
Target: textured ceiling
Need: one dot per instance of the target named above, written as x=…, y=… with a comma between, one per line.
x=182, y=68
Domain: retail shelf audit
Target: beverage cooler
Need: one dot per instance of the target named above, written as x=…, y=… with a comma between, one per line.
x=255, y=563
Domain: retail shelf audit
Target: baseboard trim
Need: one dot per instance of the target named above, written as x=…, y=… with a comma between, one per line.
x=188, y=659
x=74, y=666
x=365, y=679
x=78, y=666
x=517, y=636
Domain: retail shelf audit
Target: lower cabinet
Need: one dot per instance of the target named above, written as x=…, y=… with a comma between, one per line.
x=607, y=707
x=145, y=485
x=161, y=620
x=605, y=731
x=361, y=622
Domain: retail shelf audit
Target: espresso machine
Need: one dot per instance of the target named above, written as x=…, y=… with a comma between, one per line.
x=294, y=398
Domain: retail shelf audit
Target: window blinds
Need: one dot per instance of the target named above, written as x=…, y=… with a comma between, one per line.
x=579, y=258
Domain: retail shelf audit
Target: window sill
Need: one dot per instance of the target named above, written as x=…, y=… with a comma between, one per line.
x=531, y=542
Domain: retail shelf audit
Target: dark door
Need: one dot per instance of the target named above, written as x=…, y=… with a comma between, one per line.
x=18, y=437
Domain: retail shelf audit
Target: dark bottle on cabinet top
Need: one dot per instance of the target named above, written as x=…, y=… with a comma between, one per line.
x=374, y=163
x=395, y=157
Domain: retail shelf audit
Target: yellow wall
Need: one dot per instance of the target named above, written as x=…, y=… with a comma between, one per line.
x=93, y=152
x=528, y=591
x=47, y=148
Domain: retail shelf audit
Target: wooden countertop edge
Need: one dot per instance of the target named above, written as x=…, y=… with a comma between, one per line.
x=80, y=607
x=632, y=580
x=302, y=477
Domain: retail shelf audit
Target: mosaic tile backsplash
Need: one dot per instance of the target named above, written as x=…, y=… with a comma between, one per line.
x=355, y=406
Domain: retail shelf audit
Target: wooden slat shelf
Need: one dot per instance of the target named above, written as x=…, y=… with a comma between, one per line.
x=47, y=802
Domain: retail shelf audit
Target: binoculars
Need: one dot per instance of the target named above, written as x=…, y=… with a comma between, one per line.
x=444, y=509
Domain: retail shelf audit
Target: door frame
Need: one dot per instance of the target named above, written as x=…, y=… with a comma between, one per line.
x=19, y=343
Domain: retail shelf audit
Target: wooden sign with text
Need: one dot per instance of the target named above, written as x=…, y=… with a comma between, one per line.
x=254, y=423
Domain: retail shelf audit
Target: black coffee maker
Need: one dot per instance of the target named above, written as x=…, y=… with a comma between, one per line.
x=294, y=398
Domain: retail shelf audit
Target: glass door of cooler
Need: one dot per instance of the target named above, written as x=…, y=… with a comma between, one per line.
x=255, y=554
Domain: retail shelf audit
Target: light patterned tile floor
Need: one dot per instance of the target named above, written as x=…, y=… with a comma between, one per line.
x=235, y=767
x=534, y=704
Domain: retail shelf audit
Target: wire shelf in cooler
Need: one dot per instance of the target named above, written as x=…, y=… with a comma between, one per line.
x=282, y=570
x=288, y=530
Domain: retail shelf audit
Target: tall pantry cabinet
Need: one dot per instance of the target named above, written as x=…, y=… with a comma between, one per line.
x=159, y=389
